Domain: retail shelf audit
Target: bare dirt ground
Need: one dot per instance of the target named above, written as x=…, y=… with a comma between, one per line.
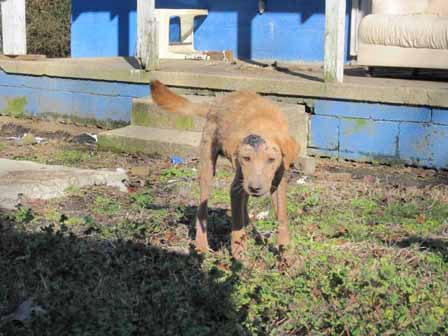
x=369, y=253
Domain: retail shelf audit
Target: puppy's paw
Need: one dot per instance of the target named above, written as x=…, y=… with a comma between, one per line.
x=238, y=245
x=202, y=246
x=237, y=251
x=283, y=237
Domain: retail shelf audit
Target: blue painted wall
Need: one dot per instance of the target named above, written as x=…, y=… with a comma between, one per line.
x=380, y=132
x=288, y=30
x=78, y=99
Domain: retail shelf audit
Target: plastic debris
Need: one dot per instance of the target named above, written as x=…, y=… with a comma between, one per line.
x=14, y=138
x=302, y=180
x=27, y=139
x=175, y=160
x=262, y=215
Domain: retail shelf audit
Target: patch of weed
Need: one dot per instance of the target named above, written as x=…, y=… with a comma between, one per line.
x=73, y=190
x=220, y=196
x=24, y=215
x=175, y=172
x=107, y=206
x=142, y=199
x=72, y=157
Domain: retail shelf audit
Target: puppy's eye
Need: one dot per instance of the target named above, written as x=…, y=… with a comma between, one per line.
x=246, y=158
x=271, y=160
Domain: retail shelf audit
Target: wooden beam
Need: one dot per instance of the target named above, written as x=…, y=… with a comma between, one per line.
x=13, y=27
x=334, y=40
x=147, y=37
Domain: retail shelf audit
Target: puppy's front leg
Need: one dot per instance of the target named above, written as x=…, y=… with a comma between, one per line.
x=280, y=206
x=240, y=217
x=206, y=170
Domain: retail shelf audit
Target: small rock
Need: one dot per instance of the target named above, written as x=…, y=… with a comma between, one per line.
x=85, y=139
x=140, y=171
x=369, y=179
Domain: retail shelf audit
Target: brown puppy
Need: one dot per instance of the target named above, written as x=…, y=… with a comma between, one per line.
x=252, y=133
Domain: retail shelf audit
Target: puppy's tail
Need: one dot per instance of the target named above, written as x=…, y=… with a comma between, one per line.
x=171, y=102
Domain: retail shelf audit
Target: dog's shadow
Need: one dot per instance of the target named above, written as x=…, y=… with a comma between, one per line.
x=434, y=245
x=219, y=228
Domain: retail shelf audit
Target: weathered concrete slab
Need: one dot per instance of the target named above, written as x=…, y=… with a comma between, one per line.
x=149, y=140
x=38, y=181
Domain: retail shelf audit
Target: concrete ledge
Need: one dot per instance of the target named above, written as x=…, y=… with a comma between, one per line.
x=139, y=139
x=227, y=77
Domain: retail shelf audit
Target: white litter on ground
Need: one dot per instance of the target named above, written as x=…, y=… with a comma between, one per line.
x=302, y=180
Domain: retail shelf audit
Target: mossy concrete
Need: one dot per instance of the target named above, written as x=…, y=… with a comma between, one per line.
x=71, y=118
x=149, y=140
x=146, y=113
x=16, y=107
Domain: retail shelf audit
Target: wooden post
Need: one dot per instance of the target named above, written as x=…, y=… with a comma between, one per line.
x=13, y=27
x=147, y=37
x=334, y=40
x=1, y=34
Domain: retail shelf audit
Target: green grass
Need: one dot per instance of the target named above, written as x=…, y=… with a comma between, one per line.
x=72, y=157
x=370, y=261
x=104, y=205
x=175, y=173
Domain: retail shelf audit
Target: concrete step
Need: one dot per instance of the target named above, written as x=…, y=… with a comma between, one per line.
x=146, y=113
x=150, y=140
x=154, y=131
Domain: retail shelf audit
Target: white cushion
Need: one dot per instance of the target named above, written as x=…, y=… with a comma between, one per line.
x=438, y=7
x=408, y=31
x=399, y=7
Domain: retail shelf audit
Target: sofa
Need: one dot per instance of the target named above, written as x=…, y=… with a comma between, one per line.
x=405, y=33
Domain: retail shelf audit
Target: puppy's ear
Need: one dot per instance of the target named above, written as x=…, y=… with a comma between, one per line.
x=290, y=150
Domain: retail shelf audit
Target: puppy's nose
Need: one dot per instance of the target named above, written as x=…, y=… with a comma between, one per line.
x=255, y=189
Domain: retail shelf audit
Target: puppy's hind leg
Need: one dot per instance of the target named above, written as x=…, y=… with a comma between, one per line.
x=207, y=163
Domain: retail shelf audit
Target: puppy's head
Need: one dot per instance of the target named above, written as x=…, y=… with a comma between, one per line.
x=260, y=158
